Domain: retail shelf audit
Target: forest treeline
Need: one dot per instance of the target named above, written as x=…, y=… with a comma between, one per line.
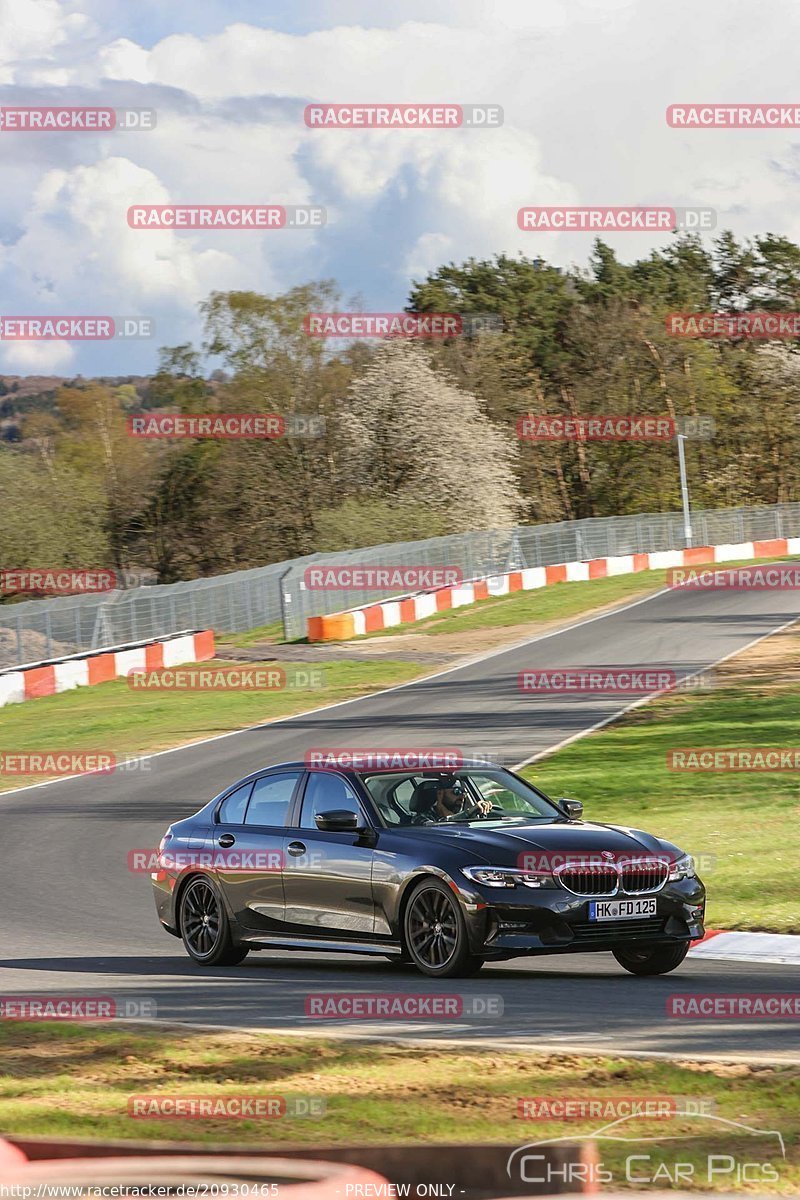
x=419, y=437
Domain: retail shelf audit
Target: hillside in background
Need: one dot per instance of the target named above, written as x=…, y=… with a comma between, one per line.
x=414, y=438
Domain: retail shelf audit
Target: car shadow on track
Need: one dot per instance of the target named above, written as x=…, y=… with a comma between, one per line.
x=148, y=966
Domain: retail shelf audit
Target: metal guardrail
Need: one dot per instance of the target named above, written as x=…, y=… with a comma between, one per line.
x=241, y=600
x=492, y=552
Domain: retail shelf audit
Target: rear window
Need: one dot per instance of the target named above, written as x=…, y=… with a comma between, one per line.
x=231, y=811
x=271, y=798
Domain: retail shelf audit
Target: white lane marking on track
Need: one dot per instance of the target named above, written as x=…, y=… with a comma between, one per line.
x=461, y=666
x=574, y=737
x=397, y=687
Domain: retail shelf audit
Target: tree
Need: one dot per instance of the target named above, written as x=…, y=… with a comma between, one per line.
x=410, y=435
x=51, y=518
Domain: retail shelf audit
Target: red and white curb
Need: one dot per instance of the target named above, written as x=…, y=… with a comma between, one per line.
x=113, y=662
x=402, y=610
x=730, y=946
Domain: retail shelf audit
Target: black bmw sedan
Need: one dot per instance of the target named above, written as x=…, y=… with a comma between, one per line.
x=444, y=870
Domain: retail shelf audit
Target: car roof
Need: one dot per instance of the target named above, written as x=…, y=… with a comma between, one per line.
x=304, y=766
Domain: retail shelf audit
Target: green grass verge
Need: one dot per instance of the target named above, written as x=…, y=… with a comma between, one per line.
x=744, y=826
x=556, y=602
x=262, y=633
x=114, y=718
x=74, y=1080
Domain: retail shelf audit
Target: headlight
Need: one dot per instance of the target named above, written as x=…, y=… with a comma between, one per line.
x=682, y=868
x=507, y=877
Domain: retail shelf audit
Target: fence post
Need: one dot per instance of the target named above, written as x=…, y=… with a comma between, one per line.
x=49, y=627
x=286, y=600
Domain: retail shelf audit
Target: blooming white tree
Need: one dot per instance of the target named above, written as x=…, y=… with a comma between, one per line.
x=412, y=437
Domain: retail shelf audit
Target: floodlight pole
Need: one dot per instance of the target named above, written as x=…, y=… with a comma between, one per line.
x=687, y=516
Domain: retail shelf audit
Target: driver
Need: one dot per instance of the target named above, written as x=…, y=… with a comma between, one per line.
x=451, y=801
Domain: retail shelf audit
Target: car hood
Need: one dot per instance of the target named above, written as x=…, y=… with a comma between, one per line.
x=503, y=847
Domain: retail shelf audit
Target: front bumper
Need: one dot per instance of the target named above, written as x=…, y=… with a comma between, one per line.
x=514, y=921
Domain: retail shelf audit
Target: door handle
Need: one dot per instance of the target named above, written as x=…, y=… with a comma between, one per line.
x=226, y=839
x=296, y=848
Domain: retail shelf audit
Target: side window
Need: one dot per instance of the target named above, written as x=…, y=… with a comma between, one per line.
x=325, y=792
x=231, y=811
x=404, y=791
x=272, y=795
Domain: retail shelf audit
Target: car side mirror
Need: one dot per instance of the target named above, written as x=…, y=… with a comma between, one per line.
x=573, y=808
x=338, y=820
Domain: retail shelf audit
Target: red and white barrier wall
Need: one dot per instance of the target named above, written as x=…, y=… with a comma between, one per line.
x=404, y=609
x=60, y=675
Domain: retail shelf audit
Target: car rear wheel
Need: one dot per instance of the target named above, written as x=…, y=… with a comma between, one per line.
x=205, y=928
x=435, y=933
x=651, y=960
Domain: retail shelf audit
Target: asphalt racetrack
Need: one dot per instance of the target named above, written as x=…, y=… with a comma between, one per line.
x=75, y=921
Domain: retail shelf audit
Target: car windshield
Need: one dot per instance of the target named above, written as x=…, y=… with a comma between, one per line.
x=467, y=796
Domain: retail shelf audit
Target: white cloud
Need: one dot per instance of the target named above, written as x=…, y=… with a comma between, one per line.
x=584, y=85
x=123, y=59
x=77, y=256
x=37, y=358
x=33, y=29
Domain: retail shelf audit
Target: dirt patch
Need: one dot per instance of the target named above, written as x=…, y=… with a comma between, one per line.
x=33, y=647
x=773, y=662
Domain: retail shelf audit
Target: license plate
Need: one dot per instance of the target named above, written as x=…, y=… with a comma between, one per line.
x=622, y=910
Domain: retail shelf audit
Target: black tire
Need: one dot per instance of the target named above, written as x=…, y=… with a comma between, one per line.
x=205, y=928
x=651, y=960
x=435, y=933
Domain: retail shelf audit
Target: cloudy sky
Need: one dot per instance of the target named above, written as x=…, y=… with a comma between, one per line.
x=584, y=85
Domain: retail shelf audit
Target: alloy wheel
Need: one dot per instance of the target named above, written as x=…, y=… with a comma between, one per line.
x=201, y=918
x=432, y=928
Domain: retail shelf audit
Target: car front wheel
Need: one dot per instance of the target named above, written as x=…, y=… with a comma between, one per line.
x=435, y=933
x=205, y=928
x=651, y=960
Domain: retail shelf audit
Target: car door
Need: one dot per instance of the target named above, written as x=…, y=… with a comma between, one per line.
x=328, y=876
x=248, y=842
